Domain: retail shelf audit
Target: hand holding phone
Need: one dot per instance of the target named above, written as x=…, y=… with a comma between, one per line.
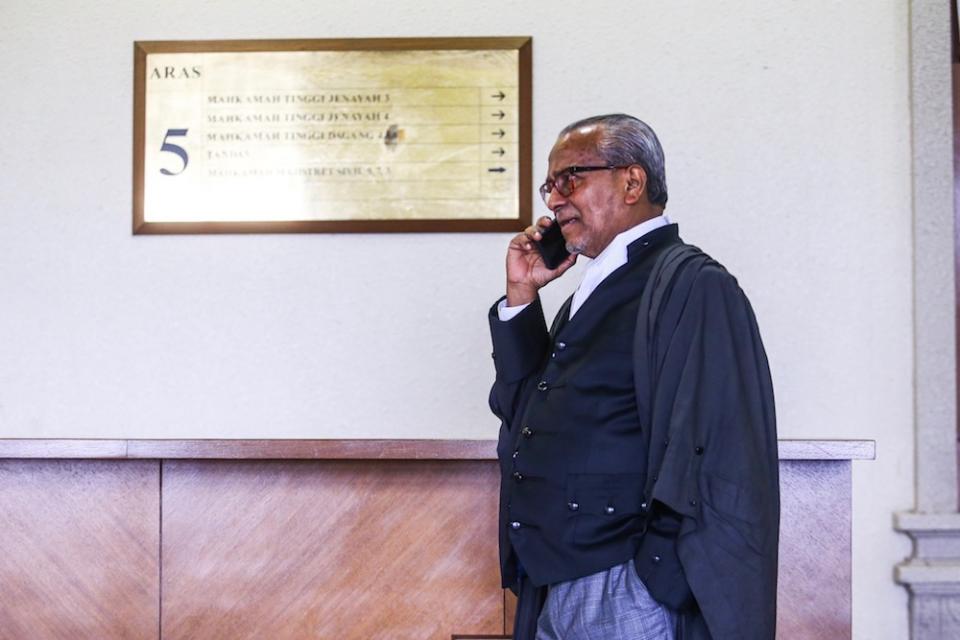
x=535, y=257
x=552, y=246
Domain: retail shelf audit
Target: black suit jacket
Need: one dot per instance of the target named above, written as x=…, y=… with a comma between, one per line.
x=572, y=446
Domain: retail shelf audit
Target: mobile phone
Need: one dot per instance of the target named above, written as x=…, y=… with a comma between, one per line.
x=553, y=248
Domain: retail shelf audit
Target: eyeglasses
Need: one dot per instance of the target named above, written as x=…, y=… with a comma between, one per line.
x=564, y=181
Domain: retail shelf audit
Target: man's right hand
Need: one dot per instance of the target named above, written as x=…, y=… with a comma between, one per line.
x=526, y=272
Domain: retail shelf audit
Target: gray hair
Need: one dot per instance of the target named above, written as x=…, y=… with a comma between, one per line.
x=625, y=140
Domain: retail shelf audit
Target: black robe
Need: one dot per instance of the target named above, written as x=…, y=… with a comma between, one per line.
x=703, y=384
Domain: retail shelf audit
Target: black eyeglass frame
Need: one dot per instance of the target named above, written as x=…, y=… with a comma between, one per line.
x=565, y=186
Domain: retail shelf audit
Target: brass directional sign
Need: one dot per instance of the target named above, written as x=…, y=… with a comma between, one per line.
x=332, y=135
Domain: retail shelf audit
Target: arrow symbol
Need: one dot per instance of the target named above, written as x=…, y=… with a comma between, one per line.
x=499, y=114
x=500, y=95
x=499, y=152
x=500, y=133
x=496, y=170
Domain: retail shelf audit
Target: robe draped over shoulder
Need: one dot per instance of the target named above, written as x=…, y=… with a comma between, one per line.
x=703, y=385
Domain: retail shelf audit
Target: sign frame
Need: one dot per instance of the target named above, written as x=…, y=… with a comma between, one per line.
x=524, y=213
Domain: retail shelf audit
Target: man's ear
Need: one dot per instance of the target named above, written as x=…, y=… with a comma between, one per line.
x=636, y=184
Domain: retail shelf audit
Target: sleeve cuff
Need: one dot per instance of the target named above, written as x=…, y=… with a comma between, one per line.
x=506, y=314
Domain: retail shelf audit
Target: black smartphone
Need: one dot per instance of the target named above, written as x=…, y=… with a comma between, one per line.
x=553, y=248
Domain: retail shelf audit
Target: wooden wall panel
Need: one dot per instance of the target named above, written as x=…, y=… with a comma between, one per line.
x=358, y=550
x=79, y=543
x=343, y=548
x=814, y=591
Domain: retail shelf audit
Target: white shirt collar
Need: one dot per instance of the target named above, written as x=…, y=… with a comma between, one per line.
x=612, y=258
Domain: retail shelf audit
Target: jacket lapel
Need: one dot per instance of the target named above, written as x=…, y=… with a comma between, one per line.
x=561, y=319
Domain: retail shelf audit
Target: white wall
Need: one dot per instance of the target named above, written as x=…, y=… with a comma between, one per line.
x=786, y=128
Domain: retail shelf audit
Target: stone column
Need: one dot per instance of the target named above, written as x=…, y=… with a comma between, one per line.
x=932, y=573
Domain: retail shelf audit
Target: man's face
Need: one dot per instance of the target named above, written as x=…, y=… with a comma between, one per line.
x=593, y=214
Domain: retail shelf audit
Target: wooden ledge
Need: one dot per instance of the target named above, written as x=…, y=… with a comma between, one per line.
x=252, y=449
x=827, y=449
x=345, y=449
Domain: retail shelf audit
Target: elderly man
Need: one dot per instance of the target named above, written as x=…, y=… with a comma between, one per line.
x=638, y=450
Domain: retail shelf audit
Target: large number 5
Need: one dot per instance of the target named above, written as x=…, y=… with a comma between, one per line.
x=173, y=148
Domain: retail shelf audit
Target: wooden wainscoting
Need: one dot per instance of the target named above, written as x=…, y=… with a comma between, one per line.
x=339, y=549
x=814, y=587
x=79, y=549
x=336, y=540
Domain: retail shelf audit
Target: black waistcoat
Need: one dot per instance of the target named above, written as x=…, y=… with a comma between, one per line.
x=573, y=466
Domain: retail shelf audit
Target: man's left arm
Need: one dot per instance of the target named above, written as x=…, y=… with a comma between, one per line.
x=519, y=346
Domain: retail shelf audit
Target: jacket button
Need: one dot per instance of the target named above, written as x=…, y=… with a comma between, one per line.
x=666, y=442
x=655, y=559
x=643, y=505
x=516, y=453
x=514, y=525
x=693, y=503
x=561, y=346
x=517, y=476
x=610, y=510
x=573, y=506
x=542, y=385
x=493, y=354
x=553, y=355
x=526, y=432
x=698, y=451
